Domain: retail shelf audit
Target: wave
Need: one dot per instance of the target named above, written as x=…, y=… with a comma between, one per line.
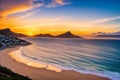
x=20, y=56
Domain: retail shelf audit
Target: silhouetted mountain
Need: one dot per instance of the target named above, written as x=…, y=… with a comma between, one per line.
x=68, y=35
x=44, y=35
x=64, y=35
x=104, y=34
x=115, y=36
x=8, y=32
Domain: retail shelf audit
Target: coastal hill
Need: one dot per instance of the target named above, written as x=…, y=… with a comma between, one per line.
x=8, y=32
x=7, y=74
x=11, y=41
x=67, y=34
x=8, y=42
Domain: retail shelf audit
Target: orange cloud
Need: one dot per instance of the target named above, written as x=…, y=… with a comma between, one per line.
x=56, y=3
x=8, y=7
x=59, y=2
x=12, y=6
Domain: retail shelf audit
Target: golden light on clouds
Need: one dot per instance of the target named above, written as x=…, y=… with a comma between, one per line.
x=11, y=6
x=31, y=18
x=59, y=1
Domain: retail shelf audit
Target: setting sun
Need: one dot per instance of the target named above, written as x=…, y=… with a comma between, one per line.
x=30, y=34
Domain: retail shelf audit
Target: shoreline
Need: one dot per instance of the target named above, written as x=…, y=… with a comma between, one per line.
x=41, y=73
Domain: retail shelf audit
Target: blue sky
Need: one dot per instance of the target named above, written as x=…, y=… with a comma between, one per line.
x=84, y=9
x=82, y=17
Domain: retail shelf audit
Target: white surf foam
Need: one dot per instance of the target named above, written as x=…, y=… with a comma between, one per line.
x=18, y=56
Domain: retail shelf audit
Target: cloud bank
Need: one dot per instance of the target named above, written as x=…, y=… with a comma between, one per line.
x=8, y=7
x=104, y=33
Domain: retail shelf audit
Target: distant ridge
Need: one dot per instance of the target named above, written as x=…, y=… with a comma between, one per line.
x=8, y=32
x=67, y=34
x=108, y=35
x=114, y=36
x=44, y=35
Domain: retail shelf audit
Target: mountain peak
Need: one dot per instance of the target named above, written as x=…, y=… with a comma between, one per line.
x=8, y=32
x=68, y=34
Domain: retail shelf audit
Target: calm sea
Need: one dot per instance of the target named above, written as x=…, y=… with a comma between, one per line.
x=89, y=56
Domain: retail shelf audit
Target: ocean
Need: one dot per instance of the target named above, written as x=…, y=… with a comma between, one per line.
x=90, y=56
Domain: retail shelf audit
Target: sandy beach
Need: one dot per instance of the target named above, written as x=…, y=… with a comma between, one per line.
x=41, y=74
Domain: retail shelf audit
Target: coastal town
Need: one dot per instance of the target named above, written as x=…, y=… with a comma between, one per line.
x=11, y=41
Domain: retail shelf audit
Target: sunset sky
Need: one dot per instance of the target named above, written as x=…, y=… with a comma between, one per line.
x=81, y=17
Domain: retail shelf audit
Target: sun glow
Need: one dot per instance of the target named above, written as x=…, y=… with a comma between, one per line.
x=30, y=34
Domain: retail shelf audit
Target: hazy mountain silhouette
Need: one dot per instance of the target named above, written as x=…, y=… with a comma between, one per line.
x=64, y=35
x=8, y=32
x=103, y=34
x=116, y=36
x=67, y=34
x=44, y=35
